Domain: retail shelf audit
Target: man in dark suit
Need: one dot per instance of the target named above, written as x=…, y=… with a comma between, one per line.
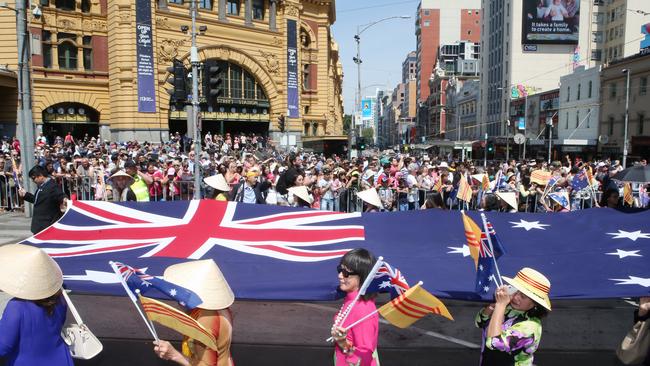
x=47, y=200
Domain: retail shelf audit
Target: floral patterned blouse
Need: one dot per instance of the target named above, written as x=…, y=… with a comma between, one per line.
x=518, y=341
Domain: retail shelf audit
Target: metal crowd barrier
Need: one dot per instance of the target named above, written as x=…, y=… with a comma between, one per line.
x=9, y=198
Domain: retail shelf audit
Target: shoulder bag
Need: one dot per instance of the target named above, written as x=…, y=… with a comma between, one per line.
x=634, y=347
x=82, y=342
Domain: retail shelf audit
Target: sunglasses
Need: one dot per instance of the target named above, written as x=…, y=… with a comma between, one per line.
x=346, y=273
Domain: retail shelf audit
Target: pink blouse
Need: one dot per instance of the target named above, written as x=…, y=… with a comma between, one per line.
x=362, y=336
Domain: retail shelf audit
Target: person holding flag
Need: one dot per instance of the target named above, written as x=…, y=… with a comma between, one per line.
x=204, y=278
x=512, y=326
x=357, y=345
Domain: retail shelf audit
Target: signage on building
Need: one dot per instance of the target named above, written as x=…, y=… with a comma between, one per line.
x=530, y=48
x=293, y=103
x=550, y=22
x=366, y=109
x=645, y=43
x=549, y=101
x=144, y=57
x=521, y=123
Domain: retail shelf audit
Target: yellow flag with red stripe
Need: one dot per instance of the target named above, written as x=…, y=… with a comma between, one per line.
x=177, y=320
x=627, y=194
x=473, y=236
x=413, y=305
x=485, y=184
x=540, y=177
x=464, y=190
x=438, y=186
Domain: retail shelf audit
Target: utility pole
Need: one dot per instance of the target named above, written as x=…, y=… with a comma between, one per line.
x=507, y=141
x=549, y=125
x=627, y=113
x=485, y=152
x=24, y=114
x=196, y=109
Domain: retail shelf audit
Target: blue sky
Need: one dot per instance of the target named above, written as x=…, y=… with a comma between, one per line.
x=383, y=46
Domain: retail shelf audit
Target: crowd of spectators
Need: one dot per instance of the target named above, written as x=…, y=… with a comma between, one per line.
x=256, y=171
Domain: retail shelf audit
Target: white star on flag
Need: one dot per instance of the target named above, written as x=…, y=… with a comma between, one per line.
x=480, y=267
x=486, y=288
x=492, y=278
x=528, y=225
x=632, y=235
x=632, y=280
x=464, y=250
x=172, y=292
x=626, y=253
x=384, y=284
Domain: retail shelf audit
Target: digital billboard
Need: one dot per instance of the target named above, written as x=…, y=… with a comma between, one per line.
x=550, y=22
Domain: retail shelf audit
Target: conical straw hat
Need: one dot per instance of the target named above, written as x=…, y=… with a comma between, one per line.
x=532, y=284
x=28, y=273
x=302, y=193
x=509, y=197
x=370, y=196
x=217, y=182
x=121, y=173
x=205, y=279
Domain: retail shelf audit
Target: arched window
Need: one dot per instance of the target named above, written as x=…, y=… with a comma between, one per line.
x=65, y=4
x=314, y=128
x=306, y=132
x=305, y=39
x=67, y=55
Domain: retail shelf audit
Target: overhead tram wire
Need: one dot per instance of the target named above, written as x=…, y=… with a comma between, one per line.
x=385, y=5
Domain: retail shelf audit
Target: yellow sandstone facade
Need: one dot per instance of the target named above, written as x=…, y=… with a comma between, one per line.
x=85, y=78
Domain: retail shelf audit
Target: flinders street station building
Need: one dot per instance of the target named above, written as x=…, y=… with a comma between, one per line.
x=121, y=69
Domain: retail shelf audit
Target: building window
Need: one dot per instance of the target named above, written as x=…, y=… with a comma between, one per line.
x=175, y=1
x=260, y=92
x=258, y=9
x=249, y=86
x=588, y=118
x=233, y=7
x=88, y=52
x=577, y=118
x=591, y=84
x=314, y=129
x=306, y=82
x=596, y=55
x=46, y=39
x=427, y=23
x=566, y=121
x=65, y=4
x=611, y=126
x=67, y=55
x=306, y=132
x=426, y=12
x=568, y=93
x=612, y=90
x=235, y=82
x=205, y=4
x=85, y=6
x=643, y=85
x=579, y=89
x=641, y=122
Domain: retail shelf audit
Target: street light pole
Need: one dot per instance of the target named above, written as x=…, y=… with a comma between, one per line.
x=358, y=61
x=485, y=152
x=196, y=109
x=24, y=112
x=627, y=113
x=507, y=140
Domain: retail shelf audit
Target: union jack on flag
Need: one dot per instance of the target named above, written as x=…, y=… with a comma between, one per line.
x=192, y=232
x=486, y=270
x=388, y=279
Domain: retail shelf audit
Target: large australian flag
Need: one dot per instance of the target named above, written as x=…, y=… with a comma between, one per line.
x=279, y=253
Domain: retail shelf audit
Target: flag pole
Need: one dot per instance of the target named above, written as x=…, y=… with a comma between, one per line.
x=489, y=240
x=134, y=300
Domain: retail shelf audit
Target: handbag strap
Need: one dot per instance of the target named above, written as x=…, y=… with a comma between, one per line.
x=72, y=308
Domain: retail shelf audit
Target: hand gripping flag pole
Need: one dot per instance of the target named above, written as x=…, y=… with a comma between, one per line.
x=134, y=299
x=489, y=240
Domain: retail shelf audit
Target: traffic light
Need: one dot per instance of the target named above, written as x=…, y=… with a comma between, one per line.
x=490, y=147
x=212, y=81
x=281, y=122
x=178, y=92
x=361, y=143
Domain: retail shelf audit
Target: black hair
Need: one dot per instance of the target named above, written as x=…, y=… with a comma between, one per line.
x=360, y=261
x=435, y=200
x=491, y=202
x=608, y=193
x=537, y=311
x=38, y=171
x=49, y=303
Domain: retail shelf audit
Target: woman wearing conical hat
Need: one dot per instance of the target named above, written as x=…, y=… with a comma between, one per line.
x=30, y=327
x=206, y=280
x=220, y=187
x=372, y=202
x=512, y=326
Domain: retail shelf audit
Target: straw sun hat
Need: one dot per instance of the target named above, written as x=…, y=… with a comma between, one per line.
x=302, y=193
x=217, y=182
x=28, y=273
x=121, y=174
x=370, y=196
x=532, y=284
x=205, y=279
